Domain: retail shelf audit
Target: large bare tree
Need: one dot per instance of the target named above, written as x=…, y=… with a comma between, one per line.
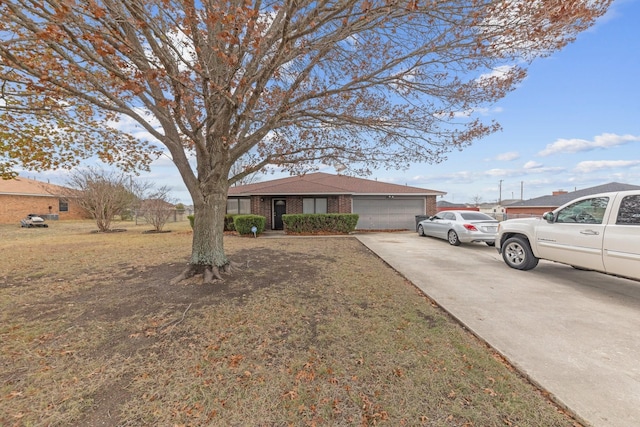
x=295, y=82
x=103, y=194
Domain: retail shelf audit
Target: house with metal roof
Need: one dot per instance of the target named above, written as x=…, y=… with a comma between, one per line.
x=540, y=205
x=380, y=205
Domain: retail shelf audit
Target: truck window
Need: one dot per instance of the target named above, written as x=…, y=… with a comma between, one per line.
x=588, y=211
x=629, y=213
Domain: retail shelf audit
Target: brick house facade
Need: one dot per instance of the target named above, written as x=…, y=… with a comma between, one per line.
x=263, y=205
x=22, y=196
x=380, y=205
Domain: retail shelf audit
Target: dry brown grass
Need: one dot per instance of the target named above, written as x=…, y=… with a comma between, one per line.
x=313, y=331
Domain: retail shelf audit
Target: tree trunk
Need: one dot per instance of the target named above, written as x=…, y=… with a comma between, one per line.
x=207, y=251
x=208, y=232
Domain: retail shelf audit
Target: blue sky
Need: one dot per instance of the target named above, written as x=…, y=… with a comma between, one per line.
x=573, y=123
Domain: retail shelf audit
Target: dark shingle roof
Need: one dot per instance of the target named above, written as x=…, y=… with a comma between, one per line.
x=561, y=199
x=324, y=183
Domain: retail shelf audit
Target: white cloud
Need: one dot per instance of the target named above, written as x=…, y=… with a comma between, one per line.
x=469, y=112
x=594, y=165
x=606, y=140
x=509, y=156
x=128, y=125
x=532, y=165
x=500, y=72
x=498, y=172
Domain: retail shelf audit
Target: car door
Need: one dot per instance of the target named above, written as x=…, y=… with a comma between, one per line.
x=576, y=235
x=445, y=224
x=430, y=226
x=621, y=253
x=435, y=225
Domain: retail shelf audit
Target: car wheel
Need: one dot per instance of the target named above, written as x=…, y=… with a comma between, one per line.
x=517, y=253
x=452, y=237
x=420, y=231
x=490, y=243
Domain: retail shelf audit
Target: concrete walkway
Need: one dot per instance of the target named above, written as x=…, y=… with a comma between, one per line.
x=574, y=333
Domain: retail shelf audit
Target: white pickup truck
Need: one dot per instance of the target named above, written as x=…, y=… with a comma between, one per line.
x=600, y=232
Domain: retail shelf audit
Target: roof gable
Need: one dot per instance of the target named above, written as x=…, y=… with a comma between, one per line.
x=324, y=183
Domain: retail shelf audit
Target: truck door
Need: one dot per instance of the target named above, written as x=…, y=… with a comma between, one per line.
x=622, y=239
x=576, y=235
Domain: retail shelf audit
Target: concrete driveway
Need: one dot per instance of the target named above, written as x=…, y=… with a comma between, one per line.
x=574, y=333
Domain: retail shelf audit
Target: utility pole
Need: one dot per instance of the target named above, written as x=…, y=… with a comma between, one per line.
x=500, y=197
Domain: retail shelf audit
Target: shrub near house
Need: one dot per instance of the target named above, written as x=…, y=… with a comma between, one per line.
x=244, y=224
x=320, y=223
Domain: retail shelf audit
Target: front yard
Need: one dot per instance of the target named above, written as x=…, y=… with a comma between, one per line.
x=312, y=331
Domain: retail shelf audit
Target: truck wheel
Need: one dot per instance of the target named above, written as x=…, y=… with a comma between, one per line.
x=453, y=239
x=517, y=253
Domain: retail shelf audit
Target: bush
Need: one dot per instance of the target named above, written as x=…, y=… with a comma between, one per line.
x=320, y=223
x=228, y=222
x=243, y=223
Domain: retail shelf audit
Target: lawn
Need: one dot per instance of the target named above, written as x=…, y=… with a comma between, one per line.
x=312, y=331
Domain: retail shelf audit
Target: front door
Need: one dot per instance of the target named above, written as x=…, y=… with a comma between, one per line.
x=279, y=209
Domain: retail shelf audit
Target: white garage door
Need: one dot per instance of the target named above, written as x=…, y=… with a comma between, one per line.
x=382, y=213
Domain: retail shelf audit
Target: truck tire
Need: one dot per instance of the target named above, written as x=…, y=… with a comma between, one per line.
x=517, y=253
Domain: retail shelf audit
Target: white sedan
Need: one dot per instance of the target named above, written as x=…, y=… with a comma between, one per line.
x=460, y=227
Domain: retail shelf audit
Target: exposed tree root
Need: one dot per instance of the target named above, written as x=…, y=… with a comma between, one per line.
x=188, y=273
x=210, y=274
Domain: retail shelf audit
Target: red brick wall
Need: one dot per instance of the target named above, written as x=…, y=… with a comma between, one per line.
x=13, y=208
x=432, y=207
x=344, y=204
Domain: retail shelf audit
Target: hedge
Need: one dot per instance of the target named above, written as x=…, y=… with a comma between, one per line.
x=320, y=223
x=228, y=221
x=243, y=223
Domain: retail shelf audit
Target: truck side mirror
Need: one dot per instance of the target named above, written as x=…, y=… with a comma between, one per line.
x=549, y=216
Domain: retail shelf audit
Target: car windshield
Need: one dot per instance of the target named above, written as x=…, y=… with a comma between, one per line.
x=475, y=216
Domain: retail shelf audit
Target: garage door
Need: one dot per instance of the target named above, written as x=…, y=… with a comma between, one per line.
x=382, y=213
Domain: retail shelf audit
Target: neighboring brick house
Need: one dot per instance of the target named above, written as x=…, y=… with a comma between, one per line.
x=540, y=205
x=380, y=205
x=22, y=196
